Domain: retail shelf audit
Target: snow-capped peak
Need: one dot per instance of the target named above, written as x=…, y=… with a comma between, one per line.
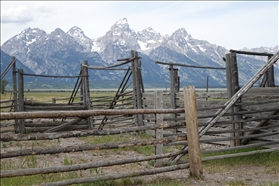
x=78, y=34
x=122, y=21
x=75, y=30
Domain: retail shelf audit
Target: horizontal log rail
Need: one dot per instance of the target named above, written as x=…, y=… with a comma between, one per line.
x=49, y=136
x=65, y=107
x=78, y=148
x=8, y=106
x=251, y=53
x=83, y=113
x=51, y=76
x=118, y=176
x=47, y=170
x=261, y=144
x=249, y=103
x=191, y=66
x=32, y=103
x=242, y=130
x=239, y=137
x=6, y=101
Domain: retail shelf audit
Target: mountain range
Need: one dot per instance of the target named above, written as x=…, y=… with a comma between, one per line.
x=61, y=53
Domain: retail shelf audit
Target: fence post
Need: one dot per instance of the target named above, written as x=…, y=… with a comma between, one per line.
x=16, y=127
x=158, y=103
x=173, y=90
x=86, y=93
x=137, y=83
x=233, y=87
x=192, y=132
x=21, y=100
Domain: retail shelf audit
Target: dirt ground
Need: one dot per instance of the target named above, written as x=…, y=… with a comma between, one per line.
x=229, y=175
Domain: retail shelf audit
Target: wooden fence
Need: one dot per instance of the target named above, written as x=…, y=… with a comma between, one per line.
x=162, y=137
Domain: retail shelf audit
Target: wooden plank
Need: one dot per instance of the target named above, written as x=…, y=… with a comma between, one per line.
x=192, y=132
x=158, y=99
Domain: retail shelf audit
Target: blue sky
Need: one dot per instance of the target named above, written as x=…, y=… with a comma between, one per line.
x=231, y=24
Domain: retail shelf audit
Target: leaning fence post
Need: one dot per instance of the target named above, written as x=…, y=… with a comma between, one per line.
x=192, y=132
x=158, y=103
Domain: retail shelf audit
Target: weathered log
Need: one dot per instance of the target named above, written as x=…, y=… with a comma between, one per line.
x=68, y=128
x=51, y=124
x=238, y=137
x=83, y=113
x=222, y=131
x=248, y=103
x=77, y=148
x=6, y=124
x=48, y=136
x=65, y=107
x=33, y=103
x=118, y=176
x=231, y=155
x=54, y=129
x=242, y=120
x=251, y=53
x=261, y=144
x=47, y=170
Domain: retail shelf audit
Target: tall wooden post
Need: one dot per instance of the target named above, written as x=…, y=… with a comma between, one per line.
x=158, y=104
x=81, y=84
x=192, y=132
x=16, y=127
x=137, y=83
x=86, y=92
x=173, y=90
x=21, y=100
x=232, y=88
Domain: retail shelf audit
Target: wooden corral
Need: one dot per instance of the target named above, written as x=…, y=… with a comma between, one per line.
x=240, y=118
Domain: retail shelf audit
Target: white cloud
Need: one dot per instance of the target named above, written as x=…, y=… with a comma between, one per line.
x=18, y=15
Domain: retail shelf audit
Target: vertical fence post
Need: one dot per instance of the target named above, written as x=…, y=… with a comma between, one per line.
x=158, y=104
x=236, y=87
x=173, y=90
x=81, y=84
x=21, y=100
x=137, y=87
x=192, y=132
x=86, y=92
x=16, y=127
x=233, y=87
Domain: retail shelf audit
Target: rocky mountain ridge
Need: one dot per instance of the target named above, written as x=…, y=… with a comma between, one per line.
x=61, y=53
